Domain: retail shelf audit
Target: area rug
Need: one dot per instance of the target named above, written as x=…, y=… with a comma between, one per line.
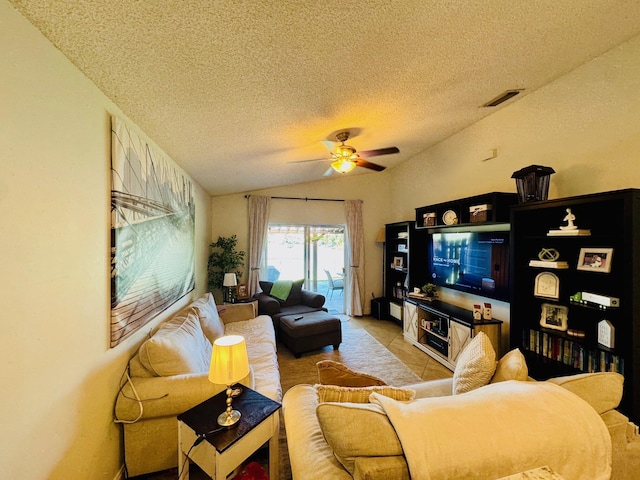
x=359, y=351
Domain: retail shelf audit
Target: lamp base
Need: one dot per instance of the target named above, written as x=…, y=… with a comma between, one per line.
x=228, y=419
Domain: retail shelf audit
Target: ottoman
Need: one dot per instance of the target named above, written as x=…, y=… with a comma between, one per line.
x=314, y=330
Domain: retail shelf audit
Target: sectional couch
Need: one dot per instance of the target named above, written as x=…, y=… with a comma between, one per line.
x=490, y=420
x=169, y=374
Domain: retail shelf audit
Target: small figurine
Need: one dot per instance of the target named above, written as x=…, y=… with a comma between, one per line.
x=569, y=218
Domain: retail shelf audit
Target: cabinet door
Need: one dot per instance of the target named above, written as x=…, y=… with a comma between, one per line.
x=410, y=321
x=459, y=337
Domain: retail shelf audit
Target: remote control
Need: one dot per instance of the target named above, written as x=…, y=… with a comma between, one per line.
x=297, y=318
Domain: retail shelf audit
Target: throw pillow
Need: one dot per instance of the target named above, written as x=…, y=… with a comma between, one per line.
x=179, y=346
x=601, y=390
x=265, y=286
x=332, y=393
x=357, y=430
x=511, y=366
x=335, y=373
x=295, y=295
x=475, y=366
x=207, y=312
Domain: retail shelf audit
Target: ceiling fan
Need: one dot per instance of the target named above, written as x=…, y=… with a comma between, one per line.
x=345, y=158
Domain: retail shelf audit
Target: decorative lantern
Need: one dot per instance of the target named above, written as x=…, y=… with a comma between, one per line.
x=533, y=183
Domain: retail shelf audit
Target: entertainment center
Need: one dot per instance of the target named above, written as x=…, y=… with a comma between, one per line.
x=462, y=245
x=569, y=268
x=442, y=330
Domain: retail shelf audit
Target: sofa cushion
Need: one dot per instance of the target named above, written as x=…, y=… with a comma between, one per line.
x=602, y=390
x=332, y=393
x=207, y=312
x=511, y=366
x=261, y=350
x=295, y=294
x=335, y=373
x=357, y=430
x=265, y=286
x=178, y=346
x=475, y=366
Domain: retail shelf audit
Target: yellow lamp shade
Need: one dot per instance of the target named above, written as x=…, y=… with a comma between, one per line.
x=229, y=361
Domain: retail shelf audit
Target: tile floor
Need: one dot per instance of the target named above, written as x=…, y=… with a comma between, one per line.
x=389, y=334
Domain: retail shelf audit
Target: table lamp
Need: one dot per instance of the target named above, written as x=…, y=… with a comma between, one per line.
x=229, y=365
x=229, y=282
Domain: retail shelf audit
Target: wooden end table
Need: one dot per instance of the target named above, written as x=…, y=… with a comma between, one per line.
x=221, y=452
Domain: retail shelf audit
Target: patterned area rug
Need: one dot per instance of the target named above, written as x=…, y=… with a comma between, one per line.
x=359, y=351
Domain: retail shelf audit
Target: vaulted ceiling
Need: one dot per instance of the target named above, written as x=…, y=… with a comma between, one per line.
x=235, y=90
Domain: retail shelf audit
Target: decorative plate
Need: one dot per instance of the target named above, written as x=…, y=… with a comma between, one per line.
x=450, y=217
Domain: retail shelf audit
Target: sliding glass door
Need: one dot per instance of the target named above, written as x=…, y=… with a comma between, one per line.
x=312, y=252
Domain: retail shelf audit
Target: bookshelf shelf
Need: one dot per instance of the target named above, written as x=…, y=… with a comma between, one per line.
x=614, y=221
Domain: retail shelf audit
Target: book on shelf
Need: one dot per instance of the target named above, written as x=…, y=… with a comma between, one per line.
x=569, y=233
x=548, y=264
x=573, y=354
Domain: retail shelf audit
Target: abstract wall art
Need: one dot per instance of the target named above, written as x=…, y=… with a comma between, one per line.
x=152, y=232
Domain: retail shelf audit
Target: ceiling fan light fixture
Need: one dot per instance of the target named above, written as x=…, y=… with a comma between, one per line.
x=344, y=151
x=343, y=166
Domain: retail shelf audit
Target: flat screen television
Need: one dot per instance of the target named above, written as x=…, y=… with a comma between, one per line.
x=472, y=262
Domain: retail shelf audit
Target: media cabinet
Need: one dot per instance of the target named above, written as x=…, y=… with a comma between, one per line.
x=442, y=330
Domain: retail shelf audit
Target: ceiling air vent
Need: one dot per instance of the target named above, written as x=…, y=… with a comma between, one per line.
x=503, y=97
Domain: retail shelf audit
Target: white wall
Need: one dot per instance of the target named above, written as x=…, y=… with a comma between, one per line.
x=59, y=377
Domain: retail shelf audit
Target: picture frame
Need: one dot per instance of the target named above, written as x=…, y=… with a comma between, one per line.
x=398, y=263
x=554, y=316
x=595, y=259
x=242, y=291
x=547, y=285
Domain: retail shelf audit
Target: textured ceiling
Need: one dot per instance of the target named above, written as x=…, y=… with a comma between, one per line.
x=235, y=90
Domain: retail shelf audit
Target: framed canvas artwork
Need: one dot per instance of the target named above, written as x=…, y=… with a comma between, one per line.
x=152, y=232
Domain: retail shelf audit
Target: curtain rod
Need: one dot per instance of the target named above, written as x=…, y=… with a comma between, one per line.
x=306, y=199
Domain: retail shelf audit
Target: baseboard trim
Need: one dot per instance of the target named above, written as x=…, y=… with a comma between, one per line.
x=120, y=474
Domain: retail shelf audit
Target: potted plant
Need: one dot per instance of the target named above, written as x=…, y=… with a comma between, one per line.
x=224, y=259
x=430, y=290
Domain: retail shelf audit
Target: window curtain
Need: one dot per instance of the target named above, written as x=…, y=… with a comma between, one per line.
x=355, y=257
x=258, y=221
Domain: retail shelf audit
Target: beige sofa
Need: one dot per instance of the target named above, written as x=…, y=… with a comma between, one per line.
x=445, y=429
x=168, y=375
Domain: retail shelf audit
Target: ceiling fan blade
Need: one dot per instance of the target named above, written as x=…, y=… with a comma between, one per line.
x=372, y=166
x=328, y=144
x=378, y=152
x=329, y=172
x=312, y=160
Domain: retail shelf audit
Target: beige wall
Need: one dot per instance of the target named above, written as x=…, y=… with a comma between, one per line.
x=59, y=376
